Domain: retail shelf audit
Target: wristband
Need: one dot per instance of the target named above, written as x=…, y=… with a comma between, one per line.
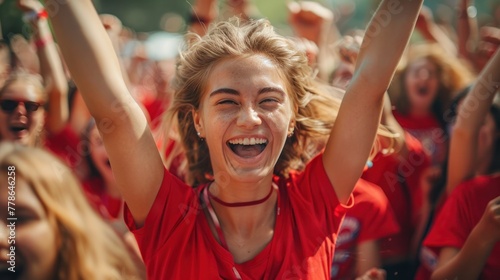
x=33, y=16
x=42, y=42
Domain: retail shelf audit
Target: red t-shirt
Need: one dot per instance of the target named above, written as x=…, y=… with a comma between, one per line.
x=66, y=146
x=176, y=241
x=370, y=218
x=460, y=214
x=156, y=108
x=429, y=132
x=107, y=206
x=400, y=179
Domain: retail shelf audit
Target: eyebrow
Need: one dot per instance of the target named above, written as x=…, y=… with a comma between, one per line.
x=235, y=92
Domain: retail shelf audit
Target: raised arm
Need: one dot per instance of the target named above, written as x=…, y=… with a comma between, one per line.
x=468, y=262
x=467, y=29
x=94, y=66
x=314, y=22
x=354, y=131
x=433, y=33
x=51, y=67
x=471, y=115
x=203, y=12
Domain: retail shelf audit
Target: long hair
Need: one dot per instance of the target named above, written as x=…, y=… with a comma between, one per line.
x=89, y=248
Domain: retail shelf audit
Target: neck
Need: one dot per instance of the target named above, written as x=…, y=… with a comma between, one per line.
x=242, y=203
x=419, y=112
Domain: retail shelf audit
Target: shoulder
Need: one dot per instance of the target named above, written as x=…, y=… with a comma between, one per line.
x=478, y=186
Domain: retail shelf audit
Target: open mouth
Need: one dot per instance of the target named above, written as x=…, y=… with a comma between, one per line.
x=423, y=91
x=18, y=129
x=247, y=147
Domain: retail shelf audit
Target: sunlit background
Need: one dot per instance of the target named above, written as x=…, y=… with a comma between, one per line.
x=149, y=15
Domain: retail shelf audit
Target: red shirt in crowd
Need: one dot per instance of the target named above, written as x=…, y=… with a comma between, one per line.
x=66, y=145
x=459, y=215
x=400, y=179
x=370, y=218
x=107, y=206
x=429, y=132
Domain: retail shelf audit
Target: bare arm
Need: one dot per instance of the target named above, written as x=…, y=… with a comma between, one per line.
x=467, y=30
x=468, y=261
x=51, y=68
x=314, y=22
x=433, y=33
x=471, y=115
x=94, y=66
x=203, y=13
x=352, y=136
x=368, y=257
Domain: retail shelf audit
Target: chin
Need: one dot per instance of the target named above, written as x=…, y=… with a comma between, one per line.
x=252, y=175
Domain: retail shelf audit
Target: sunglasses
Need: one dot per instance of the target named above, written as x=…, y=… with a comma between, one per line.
x=8, y=105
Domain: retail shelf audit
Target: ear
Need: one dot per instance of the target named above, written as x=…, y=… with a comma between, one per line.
x=198, y=123
x=291, y=127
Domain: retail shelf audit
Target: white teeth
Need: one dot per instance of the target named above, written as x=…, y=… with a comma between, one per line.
x=248, y=141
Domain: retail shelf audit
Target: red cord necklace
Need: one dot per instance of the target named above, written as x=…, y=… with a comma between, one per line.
x=241, y=204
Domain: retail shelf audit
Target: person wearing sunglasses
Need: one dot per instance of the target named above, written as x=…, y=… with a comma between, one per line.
x=25, y=96
x=22, y=115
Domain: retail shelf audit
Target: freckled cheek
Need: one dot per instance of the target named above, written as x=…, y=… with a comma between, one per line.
x=280, y=118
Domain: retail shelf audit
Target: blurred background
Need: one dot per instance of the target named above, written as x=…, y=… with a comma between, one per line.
x=154, y=15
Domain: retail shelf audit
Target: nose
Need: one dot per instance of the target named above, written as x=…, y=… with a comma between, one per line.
x=248, y=117
x=20, y=109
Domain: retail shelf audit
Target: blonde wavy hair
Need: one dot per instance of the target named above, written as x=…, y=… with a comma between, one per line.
x=315, y=105
x=89, y=248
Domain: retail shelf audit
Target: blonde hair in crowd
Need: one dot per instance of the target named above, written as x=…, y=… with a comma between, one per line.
x=315, y=108
x=89, y=248
x=25, y=77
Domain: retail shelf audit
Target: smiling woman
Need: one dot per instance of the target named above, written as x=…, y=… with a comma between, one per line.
x=246, y=106
x=22, y=114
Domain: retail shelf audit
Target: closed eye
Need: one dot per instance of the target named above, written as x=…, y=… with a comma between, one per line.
x=269, y=100
x=227, y=101
x=270, y=103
